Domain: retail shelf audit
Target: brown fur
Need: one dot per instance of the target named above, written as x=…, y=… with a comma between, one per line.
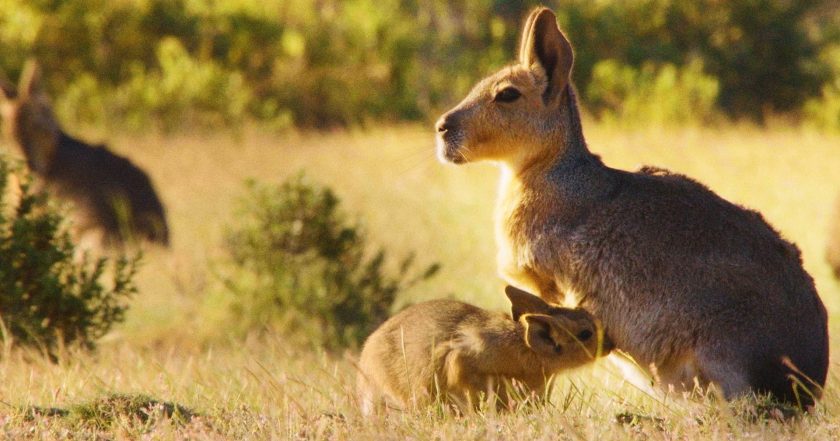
x=108, y=191
x=684, y=281
x=453, y=351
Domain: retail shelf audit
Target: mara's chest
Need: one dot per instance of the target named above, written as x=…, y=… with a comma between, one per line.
x=514, y=238
x=528, y=225
x=527, y=247
x=535, y=237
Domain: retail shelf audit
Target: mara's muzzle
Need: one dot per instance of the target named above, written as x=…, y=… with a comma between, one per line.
x=450, y=138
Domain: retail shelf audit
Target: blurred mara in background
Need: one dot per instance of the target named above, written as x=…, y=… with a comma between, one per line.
x=113, y=199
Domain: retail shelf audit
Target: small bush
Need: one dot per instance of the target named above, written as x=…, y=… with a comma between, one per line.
x=49, y=296
x=303, y=267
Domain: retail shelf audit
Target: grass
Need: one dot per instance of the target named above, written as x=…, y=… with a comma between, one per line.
x=177, y=348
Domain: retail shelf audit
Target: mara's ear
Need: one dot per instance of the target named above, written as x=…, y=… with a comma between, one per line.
x=524, y=43
x=544, y=45
x=538, y=335
x=7, y=90
x=30, y=79
x=523, y=302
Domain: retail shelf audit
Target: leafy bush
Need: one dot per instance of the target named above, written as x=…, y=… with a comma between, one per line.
x=655, y=95
x=51, y=297
x=301, y=266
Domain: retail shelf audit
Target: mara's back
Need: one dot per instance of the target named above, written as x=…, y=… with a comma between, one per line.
x=111, y=191
x=681, y=275
x=399, y=355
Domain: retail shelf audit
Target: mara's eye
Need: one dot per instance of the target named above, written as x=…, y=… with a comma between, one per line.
x=507, y=95
x=584, y=335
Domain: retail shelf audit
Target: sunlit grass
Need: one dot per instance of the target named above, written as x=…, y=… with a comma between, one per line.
x=176, y=345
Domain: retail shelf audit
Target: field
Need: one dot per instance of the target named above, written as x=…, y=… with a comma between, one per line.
x=175, y=346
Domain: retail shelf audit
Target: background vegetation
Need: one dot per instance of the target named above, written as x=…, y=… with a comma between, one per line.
x=336, y=62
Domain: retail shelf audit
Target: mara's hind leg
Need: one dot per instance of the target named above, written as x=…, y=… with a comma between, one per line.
x=762, y=373
x=689, y=374
x=786, y=381
x=732, y=375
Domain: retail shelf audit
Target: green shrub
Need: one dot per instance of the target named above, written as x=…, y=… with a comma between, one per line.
x=50, y=296
x=652, y=95
x=346, y=62
x=302, y=267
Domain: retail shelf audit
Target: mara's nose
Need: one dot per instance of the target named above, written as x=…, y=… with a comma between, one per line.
x=443, y=124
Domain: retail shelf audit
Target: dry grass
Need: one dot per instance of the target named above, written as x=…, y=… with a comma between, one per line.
x=174, y=346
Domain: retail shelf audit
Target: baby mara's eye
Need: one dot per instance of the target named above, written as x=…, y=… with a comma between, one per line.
x=584, y=335
x=507, y=95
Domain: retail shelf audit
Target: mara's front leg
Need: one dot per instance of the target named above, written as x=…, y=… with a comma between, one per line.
x=525, y=278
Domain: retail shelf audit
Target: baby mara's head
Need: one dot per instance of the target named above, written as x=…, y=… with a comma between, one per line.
x=563, y=338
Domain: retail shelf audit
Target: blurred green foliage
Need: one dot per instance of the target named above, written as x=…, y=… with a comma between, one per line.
x=653, y=94
x=300, y=266
x=337, y=62
x=823, y=111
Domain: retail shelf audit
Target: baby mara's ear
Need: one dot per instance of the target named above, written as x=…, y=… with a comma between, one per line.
x=540, y=334
x=7, y=90
x=523, y=302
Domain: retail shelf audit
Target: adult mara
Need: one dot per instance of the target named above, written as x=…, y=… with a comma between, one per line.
x=684, y=281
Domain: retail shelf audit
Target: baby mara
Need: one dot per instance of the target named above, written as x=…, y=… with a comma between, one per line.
x=458, y=354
